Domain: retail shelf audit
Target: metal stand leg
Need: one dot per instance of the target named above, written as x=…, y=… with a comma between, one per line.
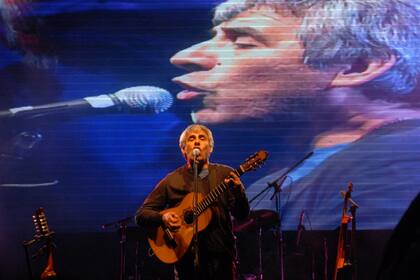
x=281, y=253
x=260, y=267
x=28, y=262
x=123, y=229
x=237, y=260
x=138, y=265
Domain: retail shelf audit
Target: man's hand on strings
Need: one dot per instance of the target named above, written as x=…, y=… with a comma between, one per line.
x=172, y=221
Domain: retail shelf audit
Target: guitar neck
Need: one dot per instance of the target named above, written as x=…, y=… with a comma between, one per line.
x=213, y=195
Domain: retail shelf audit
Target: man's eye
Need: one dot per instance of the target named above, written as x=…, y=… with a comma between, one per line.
x=246, y=42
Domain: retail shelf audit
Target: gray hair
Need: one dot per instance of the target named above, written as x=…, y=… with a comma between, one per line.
x=182, y=137
x=338, y=32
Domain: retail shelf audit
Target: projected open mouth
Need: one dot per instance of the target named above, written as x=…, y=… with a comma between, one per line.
x=191, y=94
x=196, y=99
x=190, y=91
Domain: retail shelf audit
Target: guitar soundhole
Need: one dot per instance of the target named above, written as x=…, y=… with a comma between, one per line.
x=188, y=217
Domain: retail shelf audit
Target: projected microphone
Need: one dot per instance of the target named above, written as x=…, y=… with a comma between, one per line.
x=140, y=99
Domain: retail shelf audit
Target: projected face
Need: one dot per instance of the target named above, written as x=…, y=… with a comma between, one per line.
x=251, y=68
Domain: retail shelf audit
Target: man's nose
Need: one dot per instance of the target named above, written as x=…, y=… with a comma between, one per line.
x=196, y=58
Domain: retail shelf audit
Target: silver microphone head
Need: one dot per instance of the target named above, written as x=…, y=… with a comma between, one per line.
x=145, y=98
x=196, y=152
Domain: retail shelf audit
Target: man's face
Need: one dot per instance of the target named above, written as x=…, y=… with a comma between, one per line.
x=252, y=67
x=197, y=139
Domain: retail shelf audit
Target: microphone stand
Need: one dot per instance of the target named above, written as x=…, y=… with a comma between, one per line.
x=280, y=180
x=276, y=195
x=353, y=254
x=122, y=224
x=17, y=149
x=195, y=221
x=276, y=185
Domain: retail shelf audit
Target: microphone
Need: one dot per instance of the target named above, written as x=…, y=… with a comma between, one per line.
x=196, y=152
x=140, y=99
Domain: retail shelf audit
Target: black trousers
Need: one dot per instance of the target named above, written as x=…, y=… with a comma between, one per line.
x=211, y=266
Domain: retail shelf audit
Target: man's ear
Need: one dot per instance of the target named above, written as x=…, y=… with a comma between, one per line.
x=184, y=154
x=372, y=70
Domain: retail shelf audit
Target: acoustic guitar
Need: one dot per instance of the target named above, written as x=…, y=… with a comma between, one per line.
x=342, y=269
x=170, y=246
x=43, y=232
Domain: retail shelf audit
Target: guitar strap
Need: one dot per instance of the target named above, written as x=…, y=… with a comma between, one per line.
x=212, y=177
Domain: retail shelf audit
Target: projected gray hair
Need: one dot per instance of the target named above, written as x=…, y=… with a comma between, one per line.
x=344, y=31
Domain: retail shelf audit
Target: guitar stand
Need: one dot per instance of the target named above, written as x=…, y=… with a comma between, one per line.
x=26, y=245
x=346, y=264
x=42, y=251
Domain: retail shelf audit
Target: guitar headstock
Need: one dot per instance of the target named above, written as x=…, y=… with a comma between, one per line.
x=350, y=187
x=41, y=224
x=255, y=161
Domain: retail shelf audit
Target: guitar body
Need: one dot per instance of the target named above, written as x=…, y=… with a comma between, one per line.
x=340, y=262
x=159, y=243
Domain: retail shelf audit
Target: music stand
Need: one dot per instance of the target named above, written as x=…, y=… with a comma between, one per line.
x=122, y=225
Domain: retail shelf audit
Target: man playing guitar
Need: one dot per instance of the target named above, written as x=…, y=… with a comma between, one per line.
x=215, y=236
